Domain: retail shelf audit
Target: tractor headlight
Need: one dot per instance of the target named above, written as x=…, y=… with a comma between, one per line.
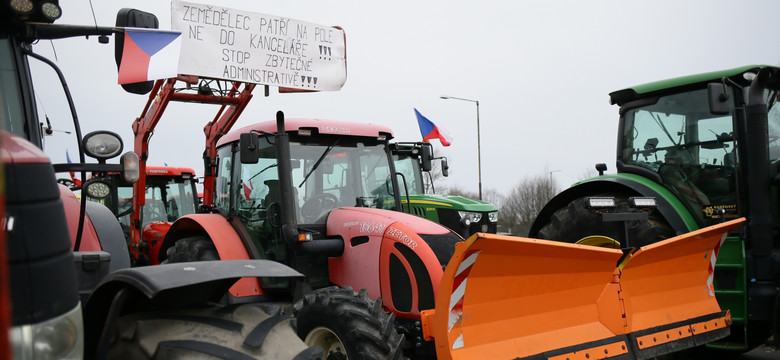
x=493, y=216
x=58, y=338
x=102, y=145
x=51, y=11
x=468, y=217
x=98, y=189
x=22, y=7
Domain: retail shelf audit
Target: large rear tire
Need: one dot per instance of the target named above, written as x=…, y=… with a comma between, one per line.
x=194, y=248
x=575, y=222
x=348, y=325
x=249, y=331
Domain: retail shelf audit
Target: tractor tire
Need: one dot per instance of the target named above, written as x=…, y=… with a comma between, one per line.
x=575, y=222
x=248, y=331
x=348, y=325
x=194, y=248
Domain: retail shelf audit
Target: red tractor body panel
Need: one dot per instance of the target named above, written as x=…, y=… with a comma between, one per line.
x=16, y=150
x=332, y=127
x=89, y=238
x=168, y=170
x=225, y=239
x=152, y=235
x=373, y=239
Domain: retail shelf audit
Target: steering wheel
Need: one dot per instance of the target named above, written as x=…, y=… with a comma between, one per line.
x=156, y=214
x=313, y=208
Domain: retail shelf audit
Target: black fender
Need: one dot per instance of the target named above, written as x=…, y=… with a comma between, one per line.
x=164, y=286
x=109, y=232
x=610, y=185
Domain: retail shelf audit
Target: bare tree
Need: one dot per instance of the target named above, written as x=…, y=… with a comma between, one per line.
x=524, y=202
x=461, y=192
x=587, y=173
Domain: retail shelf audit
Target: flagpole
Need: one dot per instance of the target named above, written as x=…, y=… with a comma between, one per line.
x=479, y=152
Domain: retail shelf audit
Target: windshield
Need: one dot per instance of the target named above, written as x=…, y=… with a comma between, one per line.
x=409, y=166
x=167, y=199
x=325, y=176
x=11, y=112
x=693, y=151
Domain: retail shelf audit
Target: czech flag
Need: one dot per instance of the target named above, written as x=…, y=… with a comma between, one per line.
x=149, y=54
x=429, y=130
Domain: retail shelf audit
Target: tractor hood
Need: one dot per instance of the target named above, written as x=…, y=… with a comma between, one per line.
x=346, y=216
x=394, y=256
x=451, y=201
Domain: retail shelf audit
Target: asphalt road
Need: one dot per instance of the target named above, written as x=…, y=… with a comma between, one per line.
x=762, y=353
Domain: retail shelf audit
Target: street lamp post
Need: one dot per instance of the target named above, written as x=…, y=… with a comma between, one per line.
x=479, y=152
x=551, y=182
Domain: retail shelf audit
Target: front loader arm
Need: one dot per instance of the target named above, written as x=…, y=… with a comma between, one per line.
x=504, y=297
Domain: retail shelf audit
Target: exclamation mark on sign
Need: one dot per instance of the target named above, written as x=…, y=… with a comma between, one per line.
x=325, y=52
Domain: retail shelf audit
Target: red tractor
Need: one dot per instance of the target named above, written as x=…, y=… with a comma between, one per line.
x=170, y=193
x=318, y=195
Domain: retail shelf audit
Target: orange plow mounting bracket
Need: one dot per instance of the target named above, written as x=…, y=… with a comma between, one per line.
x=504, y=297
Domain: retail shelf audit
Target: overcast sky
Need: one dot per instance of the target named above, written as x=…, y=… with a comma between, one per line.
x=541, y=71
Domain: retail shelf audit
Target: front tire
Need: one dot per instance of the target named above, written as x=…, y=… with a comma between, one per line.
x=575, y=222
x=348, y=325
x=249, y=331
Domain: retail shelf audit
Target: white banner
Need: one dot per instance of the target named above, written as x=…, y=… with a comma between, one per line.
x=237, y=45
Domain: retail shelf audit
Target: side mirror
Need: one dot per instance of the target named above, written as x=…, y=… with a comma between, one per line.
x=718, y=98
x=601, y=168
x=139, y=19
x=426, y=154
x=249, y=149
x=445, y=168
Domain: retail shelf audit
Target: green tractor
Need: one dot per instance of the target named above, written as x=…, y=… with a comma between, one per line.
x=692, y=152
x=414, y=161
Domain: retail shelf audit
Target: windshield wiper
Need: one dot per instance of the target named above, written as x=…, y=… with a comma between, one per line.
x=316, y=164
x=660, y=123
x=261, y=171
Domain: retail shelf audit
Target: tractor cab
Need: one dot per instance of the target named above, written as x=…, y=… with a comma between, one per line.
x=685, y=147
x=331, y=165
x=681, y=141
x=329, y=170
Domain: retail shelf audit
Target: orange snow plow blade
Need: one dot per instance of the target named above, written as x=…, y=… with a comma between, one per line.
x=504, y=297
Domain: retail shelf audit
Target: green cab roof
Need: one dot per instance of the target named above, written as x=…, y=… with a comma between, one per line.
x=624, y=96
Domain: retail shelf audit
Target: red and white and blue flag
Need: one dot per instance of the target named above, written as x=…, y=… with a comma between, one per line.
x=75, y=181
x=429, y=130
x=149, y=54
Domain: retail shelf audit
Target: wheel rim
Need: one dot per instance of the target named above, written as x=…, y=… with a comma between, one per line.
x=600, y=241
x=329, y=341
